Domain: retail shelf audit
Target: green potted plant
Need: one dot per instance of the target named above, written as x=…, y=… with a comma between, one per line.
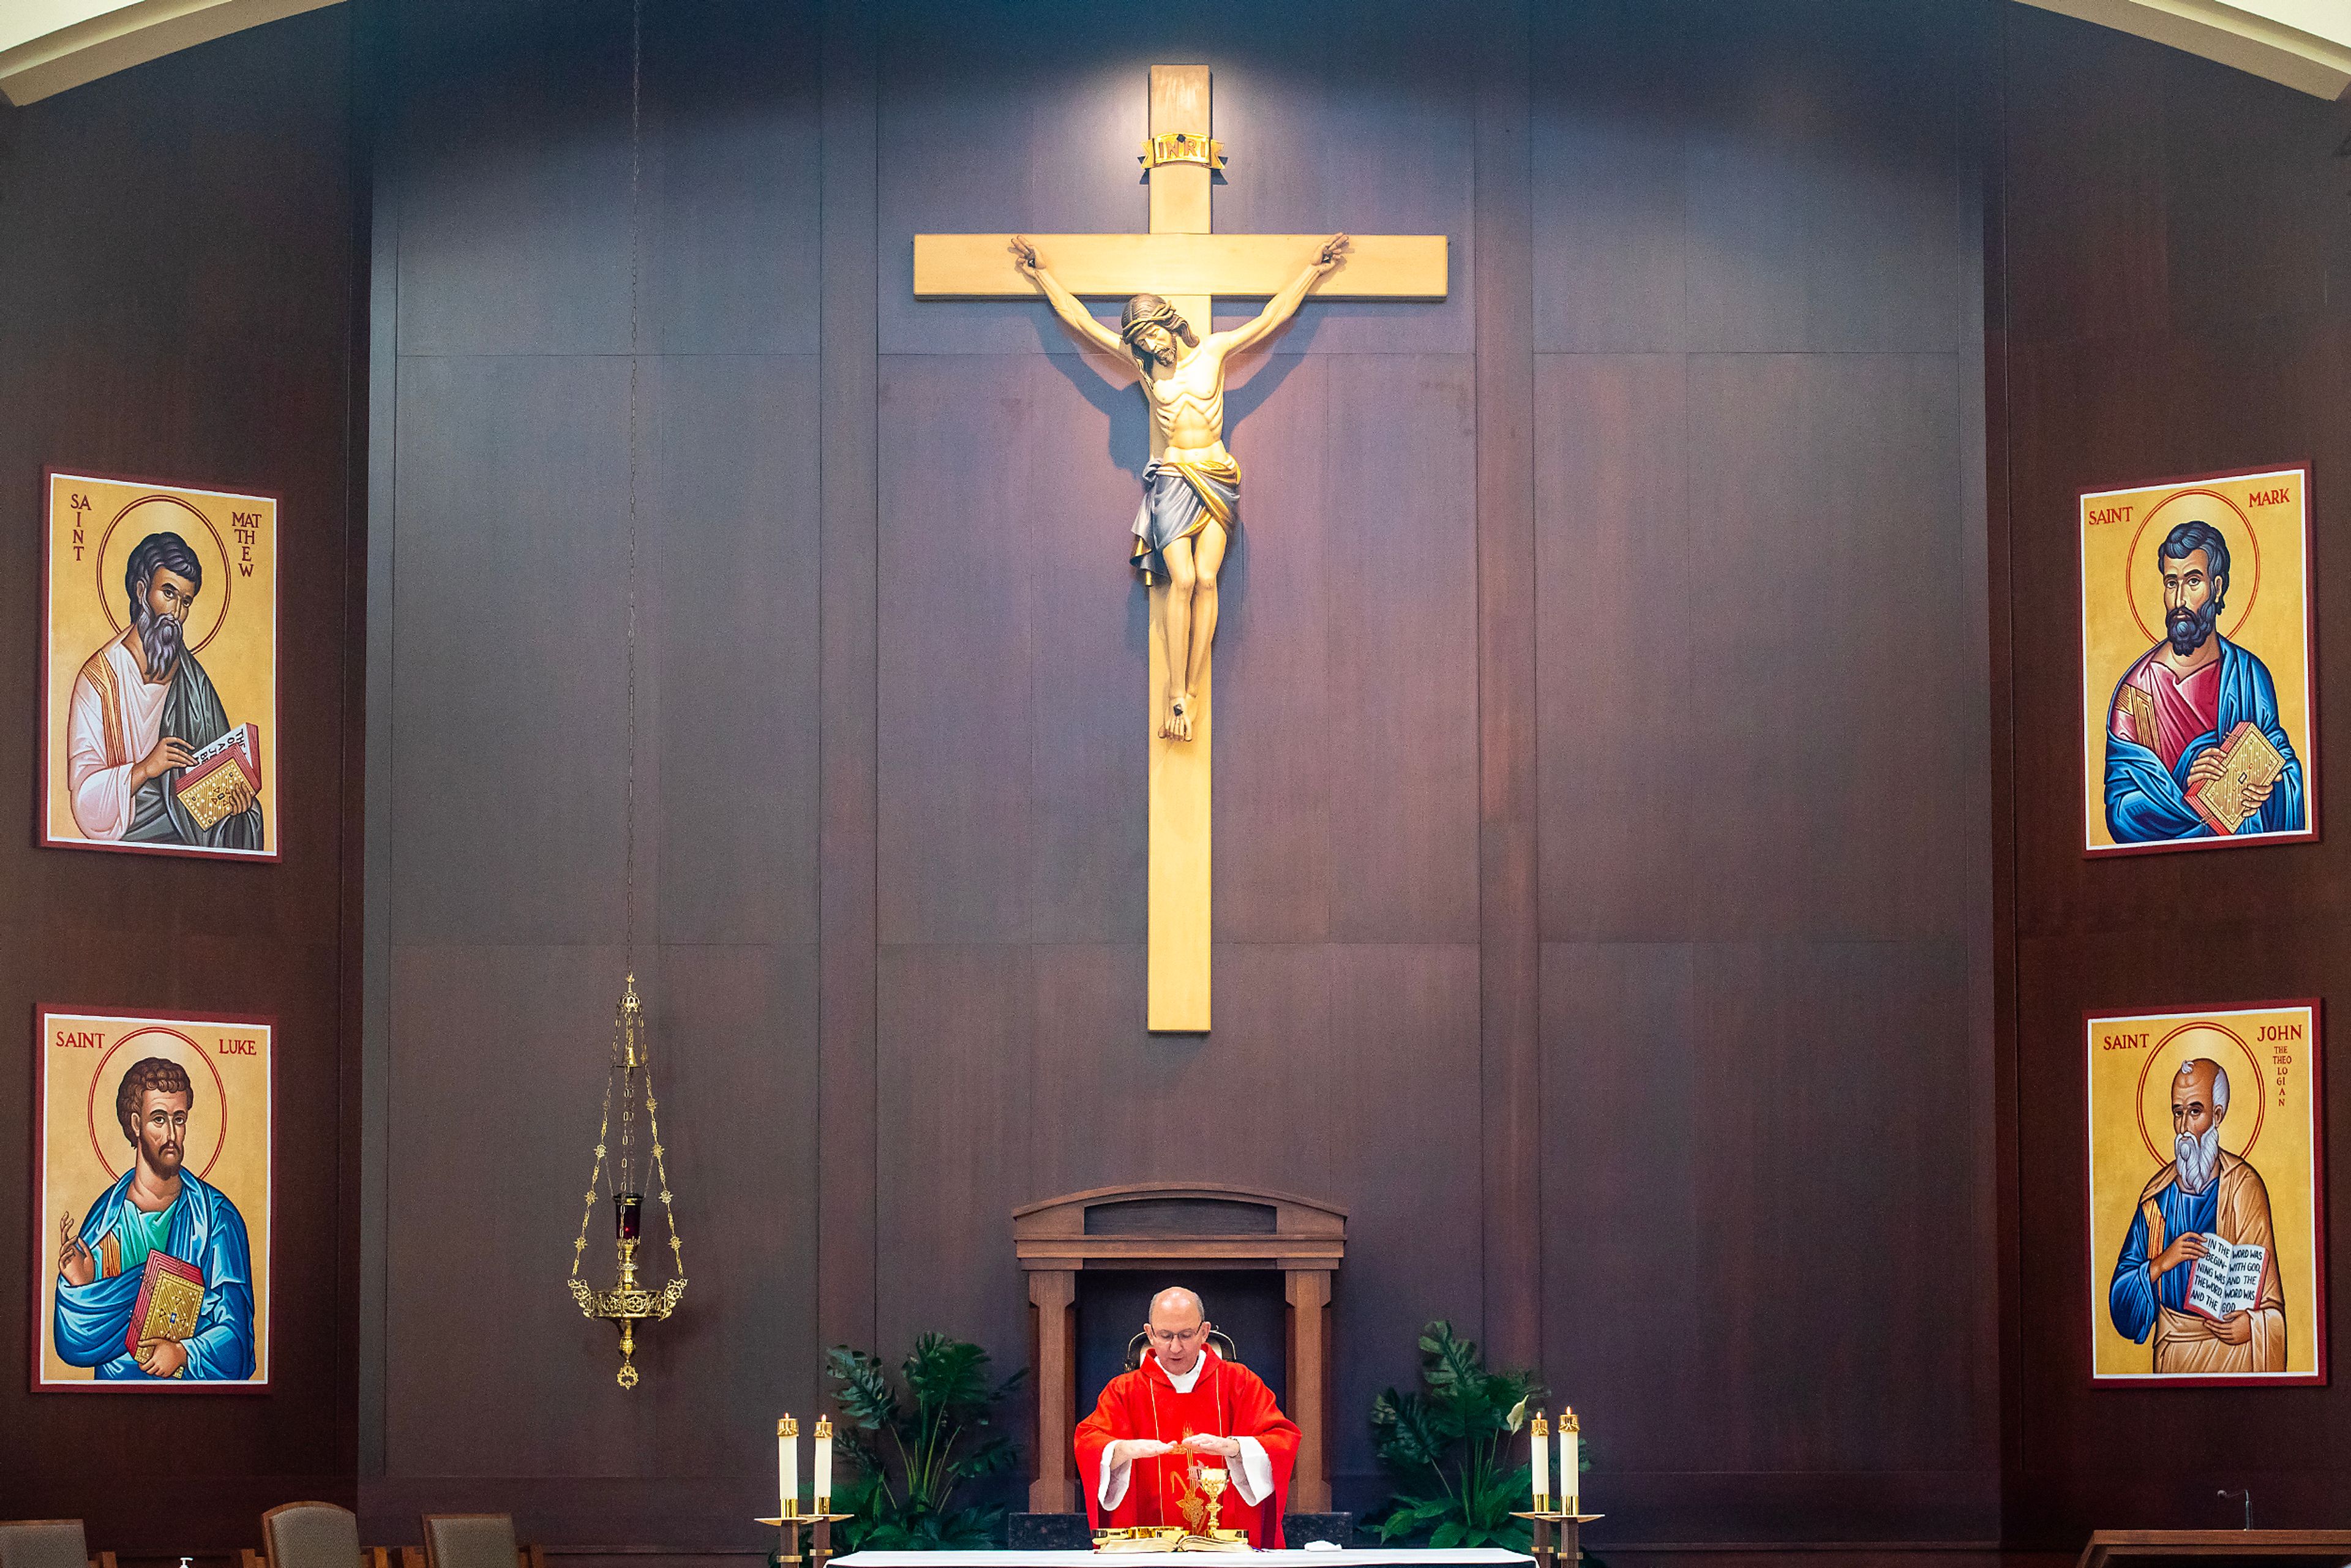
x=910, y=1445
x=1450, y=1451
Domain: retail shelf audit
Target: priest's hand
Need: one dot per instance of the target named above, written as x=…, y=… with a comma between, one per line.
x=1127, y=1450
x=2237, y=1328
x=1207, y=1443
x=2184, y=1248
x=162, y=1357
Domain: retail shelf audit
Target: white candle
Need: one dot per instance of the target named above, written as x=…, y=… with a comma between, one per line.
x=1571, y=1463
x=787, y=1466
x=1542, y=1462
x=824, y=1464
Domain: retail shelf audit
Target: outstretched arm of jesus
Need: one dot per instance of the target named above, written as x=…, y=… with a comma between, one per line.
x=1066, y=305
x=1284, y=305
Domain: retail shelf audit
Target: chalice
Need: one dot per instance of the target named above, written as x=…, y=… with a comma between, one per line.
x=1212, y=1487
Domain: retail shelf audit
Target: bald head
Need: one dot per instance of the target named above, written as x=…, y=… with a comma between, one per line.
x=2199, y=1096
x=2200, y=1102
x=1177, y=1329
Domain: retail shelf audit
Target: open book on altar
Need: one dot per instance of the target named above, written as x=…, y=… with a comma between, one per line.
x=1148, y=1538
x=2227, y=1279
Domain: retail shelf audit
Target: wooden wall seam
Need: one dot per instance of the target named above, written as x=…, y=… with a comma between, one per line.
x=849, y=479
x=373, y=101
x=2000, y=524
x=1502, y=300
x=354, y=955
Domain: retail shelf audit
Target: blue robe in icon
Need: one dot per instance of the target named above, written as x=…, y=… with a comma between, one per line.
x=2147, y=802
x=204, y=1228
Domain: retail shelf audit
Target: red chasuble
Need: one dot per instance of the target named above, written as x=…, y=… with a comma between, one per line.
x=1228, y=1401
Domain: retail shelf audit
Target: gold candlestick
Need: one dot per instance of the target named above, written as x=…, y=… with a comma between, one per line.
x=820, y=1540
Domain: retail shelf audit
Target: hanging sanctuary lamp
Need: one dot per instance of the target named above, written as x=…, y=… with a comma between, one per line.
x=623, y=1171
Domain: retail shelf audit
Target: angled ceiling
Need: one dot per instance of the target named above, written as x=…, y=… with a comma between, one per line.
x=49, y=46
x=2305, y=44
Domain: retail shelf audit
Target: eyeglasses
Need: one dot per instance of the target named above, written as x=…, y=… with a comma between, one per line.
x=1176, y=1336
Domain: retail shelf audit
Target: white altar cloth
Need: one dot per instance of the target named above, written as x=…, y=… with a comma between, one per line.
x=1375, y=1557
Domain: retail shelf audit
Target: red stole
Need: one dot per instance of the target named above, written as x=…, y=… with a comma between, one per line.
x=1228, y=1401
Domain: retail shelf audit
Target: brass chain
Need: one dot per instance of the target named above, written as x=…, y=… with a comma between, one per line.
x=636, y=161
x=580, y=1248
x=661, y=1171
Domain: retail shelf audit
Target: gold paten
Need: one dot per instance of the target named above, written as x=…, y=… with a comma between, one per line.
x=1184, y=146
x=1211, y=1536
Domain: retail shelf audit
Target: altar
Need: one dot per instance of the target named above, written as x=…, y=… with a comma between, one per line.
x=1331, y=1557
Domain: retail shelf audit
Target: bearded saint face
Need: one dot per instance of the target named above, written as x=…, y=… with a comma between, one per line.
x=159, y=613
x=162, y=1129
x=2191, y=601
x=2199, y=1104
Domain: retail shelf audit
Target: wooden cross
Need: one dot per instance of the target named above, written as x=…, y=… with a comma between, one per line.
x=1182, y=260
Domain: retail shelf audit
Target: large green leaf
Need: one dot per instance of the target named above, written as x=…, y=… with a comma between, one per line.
x=1410, y=1431
x=1451, y=1448
x=911, y=1450
x=864, y=1395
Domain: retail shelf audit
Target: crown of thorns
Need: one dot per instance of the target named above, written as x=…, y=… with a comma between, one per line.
x=1138, y=315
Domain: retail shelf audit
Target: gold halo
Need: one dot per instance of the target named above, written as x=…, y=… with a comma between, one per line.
x=2143, y=580
x=158, y=1040
x=159, y=518
x=2216, y=1042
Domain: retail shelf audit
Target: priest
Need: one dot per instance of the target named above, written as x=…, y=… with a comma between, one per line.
x=1186, y=1410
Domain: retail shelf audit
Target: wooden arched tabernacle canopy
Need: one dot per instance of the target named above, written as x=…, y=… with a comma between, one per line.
x=1171, y=1225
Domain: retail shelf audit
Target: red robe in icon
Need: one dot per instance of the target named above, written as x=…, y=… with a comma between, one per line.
x=1224, y=1400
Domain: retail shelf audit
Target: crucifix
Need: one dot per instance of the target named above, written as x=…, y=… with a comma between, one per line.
x=1170, y=278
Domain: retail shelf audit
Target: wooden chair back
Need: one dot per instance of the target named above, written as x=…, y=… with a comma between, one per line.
x=48, y=1544
x=475, y=1541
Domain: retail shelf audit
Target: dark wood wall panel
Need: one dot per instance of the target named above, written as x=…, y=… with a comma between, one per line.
x=1616, y=541
x=1593, y=901
x=1403, y=656
x=957, y=713
x=511, y=602
x=177, y=301
x=2177, y=250
x=1087, y=851
x=847, y=475
x=1334, y=116
x=955, y=1048
x=1404, y=1038
x=732, y=611
x=1813, y=662
x=505, y=146
x=1720, y=177
x=1275, y=698
x=1759, y=695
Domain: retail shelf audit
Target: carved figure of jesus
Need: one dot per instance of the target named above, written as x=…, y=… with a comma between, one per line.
x=1191, y=491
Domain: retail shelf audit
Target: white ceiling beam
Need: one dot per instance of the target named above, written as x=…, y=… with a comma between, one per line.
x=49, y=46
x=2304, y=44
